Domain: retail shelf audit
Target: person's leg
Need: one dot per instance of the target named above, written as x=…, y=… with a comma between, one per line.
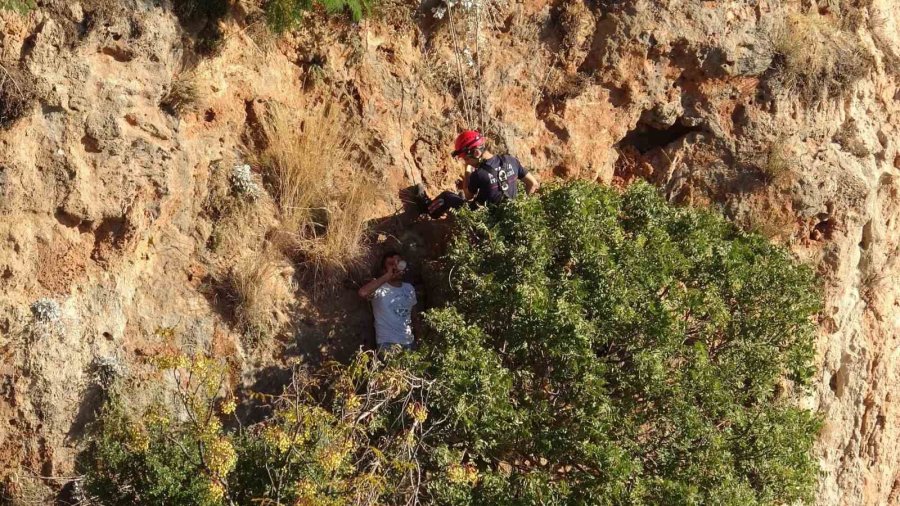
x=444, y=202
x=385, y=349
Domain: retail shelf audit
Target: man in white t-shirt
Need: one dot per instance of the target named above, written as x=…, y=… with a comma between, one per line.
x=392, y=303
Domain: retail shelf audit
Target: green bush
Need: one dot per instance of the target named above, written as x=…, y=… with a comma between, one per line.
x=612, y=349
x=601, y=348
x=345, y=434
x=21, y=6
x=192, y=10
x=285, y=14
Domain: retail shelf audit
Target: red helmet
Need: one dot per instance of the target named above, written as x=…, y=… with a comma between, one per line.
x=467, y=140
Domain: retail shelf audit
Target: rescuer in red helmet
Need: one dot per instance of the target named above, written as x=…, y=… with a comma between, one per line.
x=489, y=178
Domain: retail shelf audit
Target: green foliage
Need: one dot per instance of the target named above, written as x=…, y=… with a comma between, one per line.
x=283, y=15
x=204, y=15
x=602, y=349
x=189, y=10
x=20, y=6
x=136, y=463
x=343, y=435
x=612, y=349
x=155, y=456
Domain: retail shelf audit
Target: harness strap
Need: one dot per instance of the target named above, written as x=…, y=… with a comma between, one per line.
x=503, y=183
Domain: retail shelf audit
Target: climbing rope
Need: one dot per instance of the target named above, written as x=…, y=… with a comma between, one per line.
x=459, y=69
x=482, y=126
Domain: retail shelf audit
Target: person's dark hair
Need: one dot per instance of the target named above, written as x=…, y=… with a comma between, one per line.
x=386, y=255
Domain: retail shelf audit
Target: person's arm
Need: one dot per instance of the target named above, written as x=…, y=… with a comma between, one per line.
x=531, y=183
x=369, y=288
x=466, y=184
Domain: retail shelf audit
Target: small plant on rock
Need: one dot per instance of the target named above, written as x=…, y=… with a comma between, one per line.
x=815, y=58
x=183, y=95
x=16, y=95
x=243, y=184
x=283, y=15
x=779, y=161
x=20, y=6
x=107, y=370
x=46, y=311
x=260, y=291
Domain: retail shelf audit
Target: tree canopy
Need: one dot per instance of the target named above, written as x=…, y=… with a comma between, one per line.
x=598, y=348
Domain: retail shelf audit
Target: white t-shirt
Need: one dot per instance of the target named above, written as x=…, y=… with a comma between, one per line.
x=392, y=307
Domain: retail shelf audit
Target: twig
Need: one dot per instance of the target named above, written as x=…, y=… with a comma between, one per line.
x=12, y=79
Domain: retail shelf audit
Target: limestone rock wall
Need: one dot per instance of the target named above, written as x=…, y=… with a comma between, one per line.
x=103, y=192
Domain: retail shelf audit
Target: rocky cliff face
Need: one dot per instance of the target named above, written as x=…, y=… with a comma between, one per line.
x=105, y=193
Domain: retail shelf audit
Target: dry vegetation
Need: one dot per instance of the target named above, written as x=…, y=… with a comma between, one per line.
x=778, y=163
x=322, y=206
x=773, y=222
x=23, y=488
x=184, y=94
x=304, y=148
x=261, y=290
x=16, y=95
x=343, y=246
x=816, y=58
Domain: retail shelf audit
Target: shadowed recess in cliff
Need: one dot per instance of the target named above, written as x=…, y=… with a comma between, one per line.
x=646, y=137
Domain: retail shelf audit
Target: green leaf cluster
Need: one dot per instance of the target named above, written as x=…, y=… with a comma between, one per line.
x=144, y=463
x=20, y=6
x=600, y=348
x=283, y=15
x=607, y=348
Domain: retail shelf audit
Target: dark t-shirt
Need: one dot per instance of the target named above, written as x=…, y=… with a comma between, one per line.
x=495, y=178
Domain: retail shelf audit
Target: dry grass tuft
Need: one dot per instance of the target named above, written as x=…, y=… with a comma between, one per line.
x=343, y=246
x=304, y=149
x=307, y=157
x=772, y=222
x=184, y=94
x=24, y=488
x=778, y=164
x=816, y=58
x=261, y=290
x=239, y=221
x=16, y=95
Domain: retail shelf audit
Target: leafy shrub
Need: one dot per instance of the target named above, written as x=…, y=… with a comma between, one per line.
x=815, y=58
x=607, y=349
x=345, y=435
x=154, y=456
x=283, y=15
x=600, y=349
